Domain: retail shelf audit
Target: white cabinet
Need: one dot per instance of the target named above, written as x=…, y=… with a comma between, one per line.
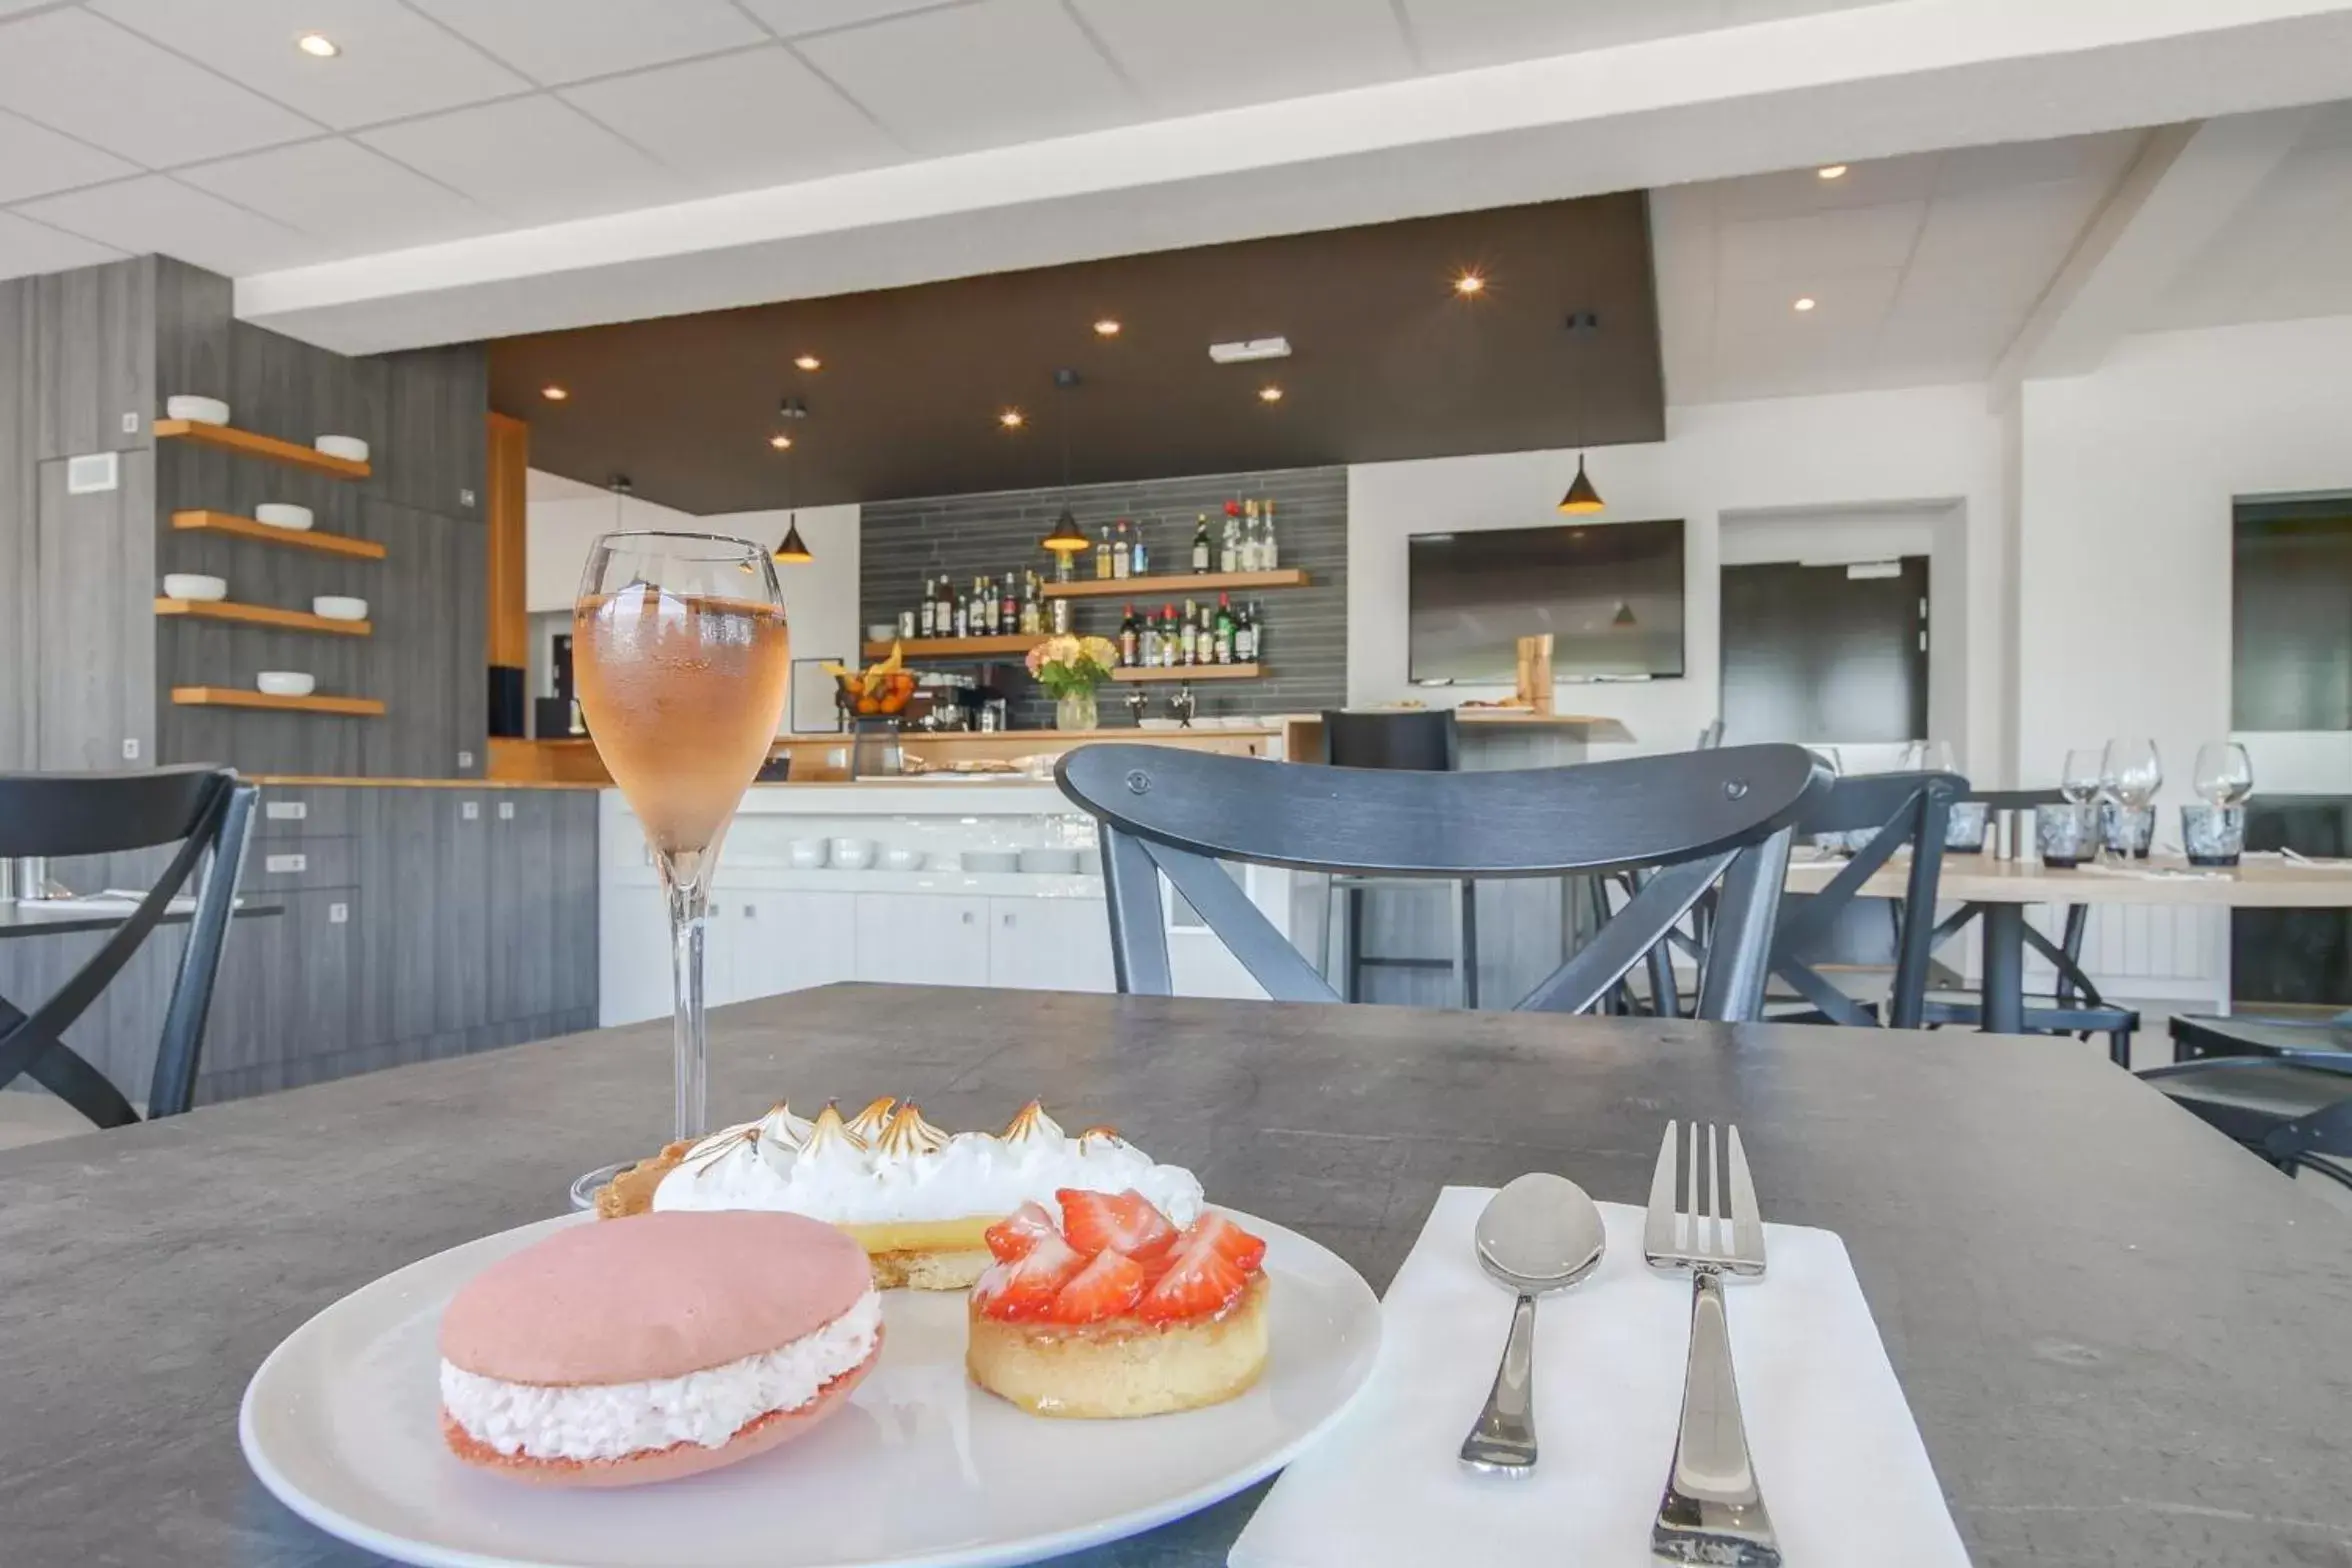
x=1049, y=944
x=922, y=938
x=778, y=942
x=633, y=955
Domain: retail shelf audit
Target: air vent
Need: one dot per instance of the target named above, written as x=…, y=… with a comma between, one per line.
x=1255, y=348
x=92, y=473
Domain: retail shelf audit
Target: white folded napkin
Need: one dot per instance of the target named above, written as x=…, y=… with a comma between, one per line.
x=1838, y=1457
x=2153, y=873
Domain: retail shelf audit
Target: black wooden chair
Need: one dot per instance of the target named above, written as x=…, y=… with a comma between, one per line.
x=206, y=811
x=1427, y=741
x=2293, y=1108
x=1837, y=926
x=1697, y=820
x=2196, y=1035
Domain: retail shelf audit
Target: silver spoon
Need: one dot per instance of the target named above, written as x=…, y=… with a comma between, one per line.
x=1539, y=1234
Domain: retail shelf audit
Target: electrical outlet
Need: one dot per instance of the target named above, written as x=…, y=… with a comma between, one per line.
x=470, y=811
x=337, y=914
x=465, y=498
x=465, y=759
x=130, y=424
x=506, y=811
x=130, y=748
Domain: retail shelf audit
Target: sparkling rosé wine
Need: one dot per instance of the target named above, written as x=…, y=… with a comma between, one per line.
x=682, y=694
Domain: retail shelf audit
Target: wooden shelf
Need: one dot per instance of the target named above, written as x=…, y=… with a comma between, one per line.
x=262, y=615
x=954, y=647
x=239, y=697
x=1154, y=587
x=230, y=439
x=296, y=538
x=1137, y=674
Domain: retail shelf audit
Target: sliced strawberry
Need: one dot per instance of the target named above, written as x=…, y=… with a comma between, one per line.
x=1244, y=1250
x=1201, y=1281
x=1013, y=1236
x=1106, y=1287
x=1027, y=1286
x=1123, y=1222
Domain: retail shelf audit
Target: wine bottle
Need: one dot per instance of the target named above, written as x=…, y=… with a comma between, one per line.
x=1269, y=549
x=1189, y=634
x=1139, y=562
x=1249, y=536
x=1200, y=544
x=1122, y=560
x=1223, y=644
x=1129, y=637
x=1147, y=646
x=1229, y=548
x=1245, y=637
x=927, y=613
x=1168, y=640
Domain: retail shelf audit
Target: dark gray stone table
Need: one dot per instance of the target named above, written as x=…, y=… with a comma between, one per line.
x=2126, y=1341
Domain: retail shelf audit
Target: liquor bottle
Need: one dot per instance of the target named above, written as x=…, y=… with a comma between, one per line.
x=1200, y=544
x=1249, y=536
x=1122, y=557
x=1061, y=566
x=1245, y=637
x=1009, y=611
x=1188, y=635
x=1102, y=555
x=927, y=613
x=1229, y=548
x=1139, y=562
x=1168, y=641
x=1257, y=619
x=1147, y=646
x=1224, y=634
x=1130, y=639
x=983, y=609
x=1269, y=549
x=960, y=616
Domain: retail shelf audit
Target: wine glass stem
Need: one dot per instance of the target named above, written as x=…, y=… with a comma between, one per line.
x=689, y=906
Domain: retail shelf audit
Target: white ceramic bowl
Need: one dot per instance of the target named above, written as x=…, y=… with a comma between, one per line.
x=896, y=859
x=286, y=683
x=283, y=514
x=852, y=854
x=1055, y=862
x=194, y=585
x=882, y=631
x=806, y=854
x=203, y=410
x=350, y=448
x=334, y=607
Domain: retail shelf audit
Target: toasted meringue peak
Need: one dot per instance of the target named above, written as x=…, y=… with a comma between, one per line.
x=908, y=1133
x=829, y=1128
x=867, y=1125
x=712, y=1150
x=1103, y=1134
x=1031, y=1122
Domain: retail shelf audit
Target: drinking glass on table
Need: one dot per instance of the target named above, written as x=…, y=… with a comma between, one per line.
x=2130, y=772
x=1927, y=756
x=2085, y=769
x=2224, y=774
x=680, y=656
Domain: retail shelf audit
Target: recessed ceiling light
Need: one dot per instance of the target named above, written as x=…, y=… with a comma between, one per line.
x=1806, y=302
x=1108, y=327
x=1470, y=284
x=318, y=45
x=1012, y=419
x=1831, y=171
x=1269, y=394
x=553, y=393
x=780, y=441
x=809, y=362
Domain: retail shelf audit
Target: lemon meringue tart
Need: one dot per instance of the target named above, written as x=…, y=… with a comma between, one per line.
x=918, y=1199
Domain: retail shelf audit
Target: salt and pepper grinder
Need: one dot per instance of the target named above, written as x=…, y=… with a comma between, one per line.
x=1182, y=705
x=1137, y=701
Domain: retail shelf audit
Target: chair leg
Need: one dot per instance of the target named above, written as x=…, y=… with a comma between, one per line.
x=1352, y=982
x=2119, y=1047
x=1466, y=962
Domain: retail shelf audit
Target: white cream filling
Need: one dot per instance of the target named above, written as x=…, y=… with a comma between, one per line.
x=612, y=1420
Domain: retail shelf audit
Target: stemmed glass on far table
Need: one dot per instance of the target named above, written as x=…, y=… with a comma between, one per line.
x=2214, y=833
x=681, y=658
x=2130, y=774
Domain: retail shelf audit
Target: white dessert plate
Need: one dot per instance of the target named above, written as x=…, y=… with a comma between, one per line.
x=920, y=1469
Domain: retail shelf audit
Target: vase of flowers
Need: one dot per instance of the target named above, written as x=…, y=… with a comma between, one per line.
x=1070, y=668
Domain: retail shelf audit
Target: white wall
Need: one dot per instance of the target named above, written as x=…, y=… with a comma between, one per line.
x=1881, y=451
x=820, y=598
x=557, y=536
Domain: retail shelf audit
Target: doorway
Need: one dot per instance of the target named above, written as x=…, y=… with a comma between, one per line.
x=1832, y=654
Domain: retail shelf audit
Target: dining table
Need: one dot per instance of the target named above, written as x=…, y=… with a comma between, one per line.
x=2122, y=1337
x=1998, y=891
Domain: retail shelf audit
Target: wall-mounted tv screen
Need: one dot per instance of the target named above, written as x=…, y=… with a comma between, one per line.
x=1609, y=593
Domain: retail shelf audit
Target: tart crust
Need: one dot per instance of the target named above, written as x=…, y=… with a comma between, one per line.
x=1121, y=1366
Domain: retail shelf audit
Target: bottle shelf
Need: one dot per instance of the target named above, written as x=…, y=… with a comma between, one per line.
x=1158, y=585
x=262, y=615
x=953, y=647
x=1136, y=674
x=253, y=444
x=294, y=538
x=239, y=697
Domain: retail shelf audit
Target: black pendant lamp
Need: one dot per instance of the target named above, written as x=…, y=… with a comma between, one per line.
x=1582, y=498
x=794, y=551
x=1067, y=538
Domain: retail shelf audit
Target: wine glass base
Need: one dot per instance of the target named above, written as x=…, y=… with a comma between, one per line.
x=584, y=1190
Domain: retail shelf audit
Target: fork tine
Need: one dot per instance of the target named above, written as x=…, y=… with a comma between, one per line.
x=1694, y=1236
x=1658, y=1228
x=1715, y=1236
x=1747, y=1226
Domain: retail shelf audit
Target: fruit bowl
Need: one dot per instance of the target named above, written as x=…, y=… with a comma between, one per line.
x=867, y=695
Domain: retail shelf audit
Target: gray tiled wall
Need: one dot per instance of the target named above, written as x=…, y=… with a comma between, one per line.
x=902, y=542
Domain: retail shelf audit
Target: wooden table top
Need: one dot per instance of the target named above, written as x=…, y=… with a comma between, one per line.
x=1980, y=879
x=2122, y=1337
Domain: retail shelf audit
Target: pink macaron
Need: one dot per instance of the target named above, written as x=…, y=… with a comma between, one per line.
x=654, y=1347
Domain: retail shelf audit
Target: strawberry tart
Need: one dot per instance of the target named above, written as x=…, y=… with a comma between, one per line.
x=1108, y=1309
x=608, y=1355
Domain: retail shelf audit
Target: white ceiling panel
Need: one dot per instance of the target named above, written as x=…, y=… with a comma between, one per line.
x=394, y=62
x=982, y=75
x=158, y=213
x=557, y=41
x=797, y=18
x=1816, y=242
x=1455, y=34
x=2004, y=165
x=1792, y=191
x=35, y=160
x=349, y=198
x=2025, y=229
x=1842, y=297
x=1221, y=54
x=532, y=159
x=27, y=247
x=2282, y=256
x=738, y=120
x=91, y=79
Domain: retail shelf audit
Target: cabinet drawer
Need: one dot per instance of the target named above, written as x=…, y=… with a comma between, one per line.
x=290, y=865
x=290, y=811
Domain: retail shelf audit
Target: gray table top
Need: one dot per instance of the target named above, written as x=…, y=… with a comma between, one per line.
x=16, y=920
x=2123, y=1338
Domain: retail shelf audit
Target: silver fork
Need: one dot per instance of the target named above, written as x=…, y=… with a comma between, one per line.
x=1712, y=1512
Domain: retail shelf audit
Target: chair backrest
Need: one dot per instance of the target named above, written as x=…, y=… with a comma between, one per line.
x=1711, y=737
x=1903, y=809
x=1425, y=741
x=1697, y=819
x=206, y=811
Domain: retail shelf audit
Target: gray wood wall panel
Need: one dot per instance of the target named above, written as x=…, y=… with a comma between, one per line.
x=94, y=357
x=195, y=320
x=19, y=510
x=97, y=648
